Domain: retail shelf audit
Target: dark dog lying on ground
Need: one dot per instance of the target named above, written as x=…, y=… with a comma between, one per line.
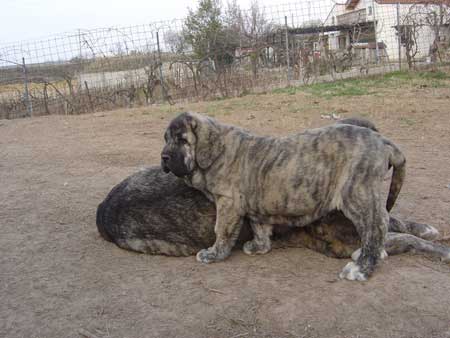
x=156, y=213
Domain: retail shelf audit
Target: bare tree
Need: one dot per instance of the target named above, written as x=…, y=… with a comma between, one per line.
x=434, y=15
x=253, y=29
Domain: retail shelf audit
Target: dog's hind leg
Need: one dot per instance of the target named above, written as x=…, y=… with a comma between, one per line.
x=397, y=243
x=417, y=237
x=371, y=219
x=420, y=230
x=261, y=242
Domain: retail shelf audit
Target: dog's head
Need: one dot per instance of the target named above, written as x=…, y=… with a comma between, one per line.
x=193, y=141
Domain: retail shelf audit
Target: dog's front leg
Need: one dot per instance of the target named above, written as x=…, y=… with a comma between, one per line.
x=228, y=226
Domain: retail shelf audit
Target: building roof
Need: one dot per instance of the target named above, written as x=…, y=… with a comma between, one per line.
x=333, y=28
x=424, y=2
x=351, y=4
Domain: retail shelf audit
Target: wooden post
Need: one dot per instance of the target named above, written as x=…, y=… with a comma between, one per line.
x=27, y=94
x=399, y=38
x=160, y=68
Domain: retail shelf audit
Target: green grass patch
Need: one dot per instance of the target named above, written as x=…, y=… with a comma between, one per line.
x=436, y=75
x=398, y=75
x=354, y=87
x=428, y=75
x=372, y=84
x=347, y=87
x=291, y=90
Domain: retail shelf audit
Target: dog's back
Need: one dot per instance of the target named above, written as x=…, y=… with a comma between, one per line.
x=102, y=221
x=358, y=121
x=148, y=212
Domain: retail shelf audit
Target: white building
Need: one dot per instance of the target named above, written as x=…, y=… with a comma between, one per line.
x=419, y=18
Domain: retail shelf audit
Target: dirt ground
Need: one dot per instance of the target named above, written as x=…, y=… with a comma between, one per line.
x=58, y=278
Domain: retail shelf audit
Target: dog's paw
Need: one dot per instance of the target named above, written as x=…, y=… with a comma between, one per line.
x=352, y=272
x=207, y=256
x=429, y=233
x=357, y=253
x=252, y=248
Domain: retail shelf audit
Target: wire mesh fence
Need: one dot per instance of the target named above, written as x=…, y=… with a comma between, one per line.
x=220, y=52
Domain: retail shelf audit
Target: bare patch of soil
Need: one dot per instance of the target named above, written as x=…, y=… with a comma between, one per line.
x=58, y=276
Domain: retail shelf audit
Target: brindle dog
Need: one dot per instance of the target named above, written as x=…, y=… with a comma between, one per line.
x=293, y=180
x=157, y=213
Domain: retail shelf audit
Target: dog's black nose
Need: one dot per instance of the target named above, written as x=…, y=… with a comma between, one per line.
x=165, y=157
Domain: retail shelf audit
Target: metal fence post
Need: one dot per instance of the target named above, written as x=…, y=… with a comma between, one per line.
x=377, y=51
x=80, y=44
x=287, y=52
x=399, y=37
x=27, y=95
x=160, y=67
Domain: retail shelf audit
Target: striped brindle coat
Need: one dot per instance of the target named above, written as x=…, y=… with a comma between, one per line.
x=292, y=180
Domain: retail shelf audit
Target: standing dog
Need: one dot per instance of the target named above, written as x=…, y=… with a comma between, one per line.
x=293, y=180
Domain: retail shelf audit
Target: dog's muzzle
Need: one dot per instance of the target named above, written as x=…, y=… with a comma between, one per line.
x=164, y=163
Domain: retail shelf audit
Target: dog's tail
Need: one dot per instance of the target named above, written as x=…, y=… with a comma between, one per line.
x=398, y=162
x=101, y=219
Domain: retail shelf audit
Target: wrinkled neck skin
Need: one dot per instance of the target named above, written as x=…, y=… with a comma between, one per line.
x=222, y=177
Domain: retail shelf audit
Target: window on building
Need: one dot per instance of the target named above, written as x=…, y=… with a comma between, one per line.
x=407, y=35
x=333, y=20
x=370, y=10
x=342, y=42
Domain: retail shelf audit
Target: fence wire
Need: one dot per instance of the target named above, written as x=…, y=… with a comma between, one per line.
x=253, y=50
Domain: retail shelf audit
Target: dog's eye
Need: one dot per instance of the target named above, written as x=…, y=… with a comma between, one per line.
x=183, y=141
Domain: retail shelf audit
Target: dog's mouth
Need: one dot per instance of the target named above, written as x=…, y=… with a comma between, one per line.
x=165, y=167
x=179, y=170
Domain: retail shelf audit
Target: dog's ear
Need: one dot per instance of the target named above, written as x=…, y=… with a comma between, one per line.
x=209, y=144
